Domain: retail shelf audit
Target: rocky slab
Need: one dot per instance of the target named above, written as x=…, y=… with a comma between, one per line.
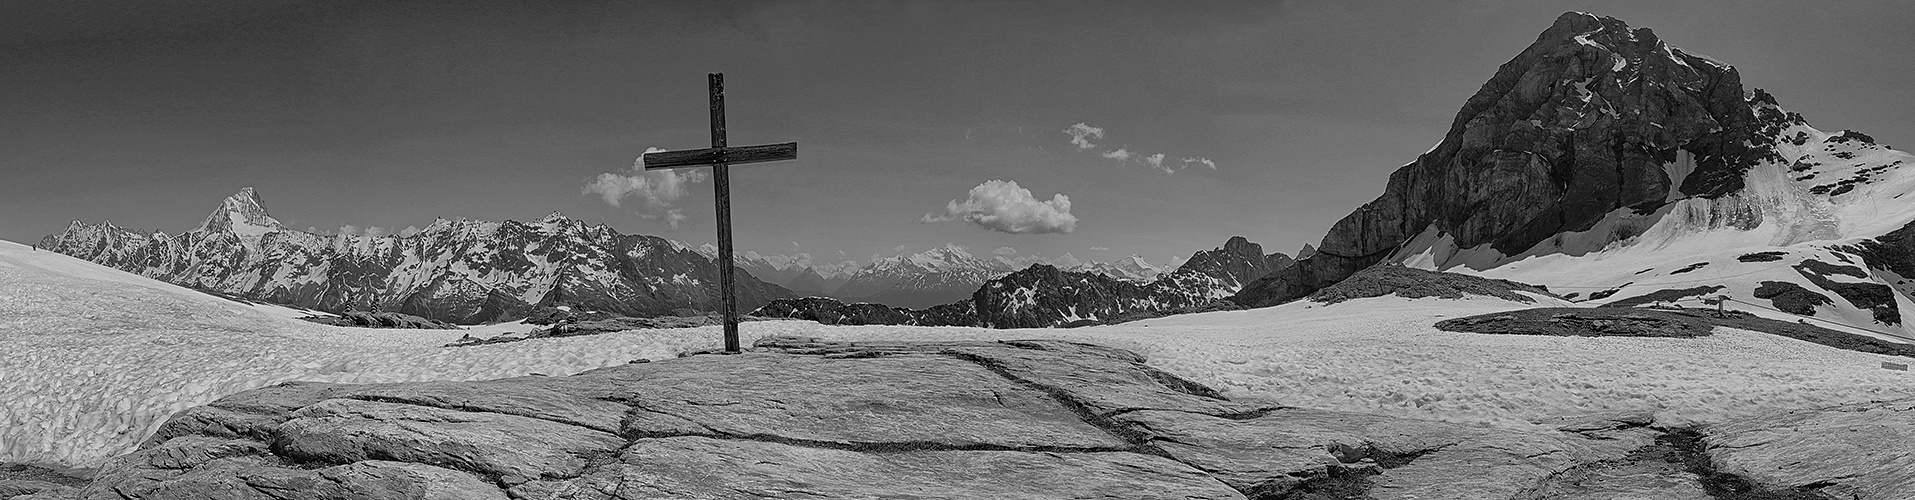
x=1036, y=419
x=1858, y=452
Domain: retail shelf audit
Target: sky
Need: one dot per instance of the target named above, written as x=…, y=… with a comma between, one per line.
x=1026, y=127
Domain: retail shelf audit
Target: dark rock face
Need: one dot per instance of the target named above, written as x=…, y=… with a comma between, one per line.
x=460, y=272
x=1235, y=264
x=1668, y=295
x=1876, y=298
x=1579, y=124
x=1761, y=257
x=1791, y=298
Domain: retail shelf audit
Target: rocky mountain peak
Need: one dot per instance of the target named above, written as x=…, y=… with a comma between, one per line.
x=242, y=212
x=1593, y=117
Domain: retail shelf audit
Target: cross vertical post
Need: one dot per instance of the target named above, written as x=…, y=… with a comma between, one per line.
x=721, y=192
x=720, y=157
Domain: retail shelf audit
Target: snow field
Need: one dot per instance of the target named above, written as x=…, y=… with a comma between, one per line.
x=95, y=362
x=1381, y=355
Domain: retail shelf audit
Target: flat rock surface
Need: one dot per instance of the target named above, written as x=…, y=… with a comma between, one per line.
x=804, y=418
x=1859, y=452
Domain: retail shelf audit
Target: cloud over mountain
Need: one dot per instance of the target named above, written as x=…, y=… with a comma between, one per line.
x=1003, y=206
x=659, y=188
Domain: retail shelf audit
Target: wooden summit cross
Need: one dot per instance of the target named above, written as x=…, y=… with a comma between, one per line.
x=719, y=156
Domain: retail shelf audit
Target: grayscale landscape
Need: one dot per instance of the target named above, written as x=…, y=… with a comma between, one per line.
x=1037, y=250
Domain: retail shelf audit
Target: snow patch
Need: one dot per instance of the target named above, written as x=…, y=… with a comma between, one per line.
x=1676, y=171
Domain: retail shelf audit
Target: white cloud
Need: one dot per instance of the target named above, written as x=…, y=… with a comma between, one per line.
x=659, y=188
x=1080, y=131
x=1004, y=251
x=1003, y=206
x=409, y=231
x=1157, y=161
x=672, y=217
x=349, y=230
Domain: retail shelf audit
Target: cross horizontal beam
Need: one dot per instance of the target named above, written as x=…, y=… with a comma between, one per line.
x=726, y=155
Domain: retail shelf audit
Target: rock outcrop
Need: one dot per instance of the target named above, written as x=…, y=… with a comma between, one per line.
x=1411, y=283
x=381, y=320
x=802, y=418
x=456, y=271
x=1858, y=451
x=1593, y=117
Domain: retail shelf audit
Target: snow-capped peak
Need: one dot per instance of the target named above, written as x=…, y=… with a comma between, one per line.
x=241, y=214
x=944, y=256
x=1136, y=264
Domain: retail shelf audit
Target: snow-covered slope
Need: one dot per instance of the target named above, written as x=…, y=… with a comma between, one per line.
x=1805, y=218
x=97, y=358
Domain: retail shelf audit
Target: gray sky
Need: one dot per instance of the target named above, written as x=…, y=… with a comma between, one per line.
x=389, y=114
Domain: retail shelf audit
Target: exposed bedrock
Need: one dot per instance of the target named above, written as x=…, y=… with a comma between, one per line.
x=804, y=418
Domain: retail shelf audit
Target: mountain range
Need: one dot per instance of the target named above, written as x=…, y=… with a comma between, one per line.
x=461, y=271
x=941, y=275
x=1043, y=295
x=481, y=271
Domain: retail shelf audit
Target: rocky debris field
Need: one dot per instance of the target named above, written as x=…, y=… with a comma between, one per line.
x=1656, y=322
x=1413, y=283
x=798, y=417
x=601, y=326
x=381, y=320
x=1583, y=323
